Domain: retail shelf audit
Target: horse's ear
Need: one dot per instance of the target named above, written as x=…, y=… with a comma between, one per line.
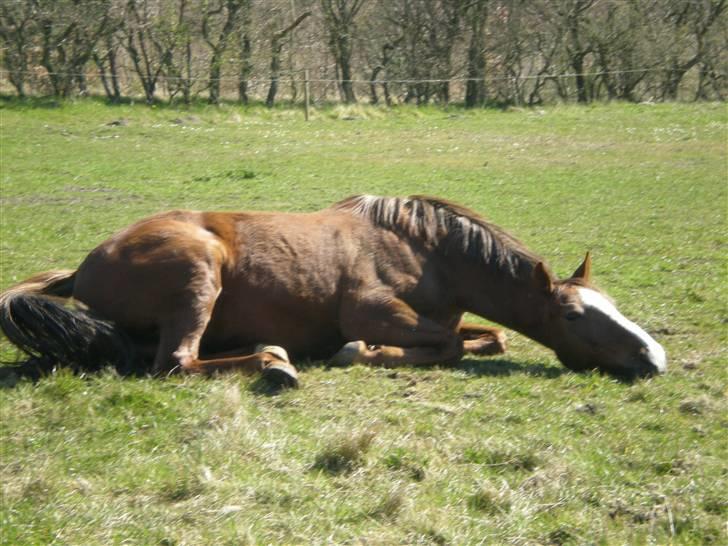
x=542, y=279
x=584, y=270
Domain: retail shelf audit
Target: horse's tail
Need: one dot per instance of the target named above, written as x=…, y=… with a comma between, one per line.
x=34, y=318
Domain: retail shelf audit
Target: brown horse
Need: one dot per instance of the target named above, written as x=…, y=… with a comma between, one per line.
x=375, y=280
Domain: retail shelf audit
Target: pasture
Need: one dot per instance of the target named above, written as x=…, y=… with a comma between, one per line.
x=508, y=450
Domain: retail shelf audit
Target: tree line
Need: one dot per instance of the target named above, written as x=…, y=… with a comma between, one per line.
x=381, y=51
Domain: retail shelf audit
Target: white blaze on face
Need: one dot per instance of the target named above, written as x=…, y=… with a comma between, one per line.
x=594, y=300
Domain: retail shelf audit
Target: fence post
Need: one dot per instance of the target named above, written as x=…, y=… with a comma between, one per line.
x=305, y=93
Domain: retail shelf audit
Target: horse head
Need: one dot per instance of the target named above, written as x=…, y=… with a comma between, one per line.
x=586, y=330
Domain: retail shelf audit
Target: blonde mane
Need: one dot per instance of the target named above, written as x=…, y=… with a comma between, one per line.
x=445, y=225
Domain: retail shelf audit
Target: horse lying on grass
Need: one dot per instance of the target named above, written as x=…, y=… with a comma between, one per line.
x=374, y=280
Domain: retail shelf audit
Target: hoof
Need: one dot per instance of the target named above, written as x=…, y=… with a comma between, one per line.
x=279, y=352
x=349, y=354
x=280, y=374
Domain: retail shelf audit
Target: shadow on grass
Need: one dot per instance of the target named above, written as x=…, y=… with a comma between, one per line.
x=34, y=369
x=50, y=102
x=14, y=102
x=503, y=367
x=496, y=367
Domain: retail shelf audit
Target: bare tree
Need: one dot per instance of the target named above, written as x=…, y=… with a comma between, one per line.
x=512, y=52
x=245, y=52
x=69, y=31
x=476, y=15
x=16, y=32
x=615, y=39
x=690, y=22
x=339, y=16
x=509, y=51
x=573, y=13
x=411, y=21
x=276, y=48
x=383, y=61
x=713, y=66
x=105, y=57
x=142, y=38
x=107, y=51
x=179, y=72
x=219, y=21
x=422, y=40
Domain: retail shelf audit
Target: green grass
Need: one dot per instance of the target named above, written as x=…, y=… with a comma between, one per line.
x=510, y=450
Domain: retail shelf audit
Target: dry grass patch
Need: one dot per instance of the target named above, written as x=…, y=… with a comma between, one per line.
x=344, y=453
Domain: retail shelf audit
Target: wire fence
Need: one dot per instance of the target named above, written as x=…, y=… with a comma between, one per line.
x=130, y=84
x=287, y=76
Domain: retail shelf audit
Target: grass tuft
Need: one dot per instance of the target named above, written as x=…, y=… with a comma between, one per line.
x=489, y=500
x=506, y=458
x=345, y=453
x=391, y=505
x=401, y=460
x=696, y=406
x=180, y=486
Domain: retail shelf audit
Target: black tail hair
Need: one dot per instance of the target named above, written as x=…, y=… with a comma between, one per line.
x=35, y=319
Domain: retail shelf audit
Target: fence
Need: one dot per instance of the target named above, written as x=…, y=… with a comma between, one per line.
x=316, y=87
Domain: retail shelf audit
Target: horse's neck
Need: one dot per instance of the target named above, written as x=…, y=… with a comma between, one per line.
x=509, y=301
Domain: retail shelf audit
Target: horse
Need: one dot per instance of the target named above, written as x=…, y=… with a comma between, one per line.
x=383, y=281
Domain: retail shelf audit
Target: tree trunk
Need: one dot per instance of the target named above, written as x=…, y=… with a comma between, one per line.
x=344, y=61
x=214, y=78
x=18, y=82
x=114, y=74
x=110, y=81
x=275, y=68
x=339, y=16
x=231, y=9
x=475, y=92
x=246, y=67
x=374, y=99
x=81, y=82
x=276, y=47
x=577, y=63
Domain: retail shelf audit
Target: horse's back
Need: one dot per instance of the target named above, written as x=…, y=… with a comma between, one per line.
x=280, y=275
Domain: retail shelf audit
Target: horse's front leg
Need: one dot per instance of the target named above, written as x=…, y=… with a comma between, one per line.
x=388, y=332
x=482, y=340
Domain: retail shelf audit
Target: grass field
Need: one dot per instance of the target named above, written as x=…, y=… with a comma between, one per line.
x=512, y=450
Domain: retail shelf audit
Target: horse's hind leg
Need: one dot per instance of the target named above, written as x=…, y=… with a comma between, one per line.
x=482, y=340
x=179, y=344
